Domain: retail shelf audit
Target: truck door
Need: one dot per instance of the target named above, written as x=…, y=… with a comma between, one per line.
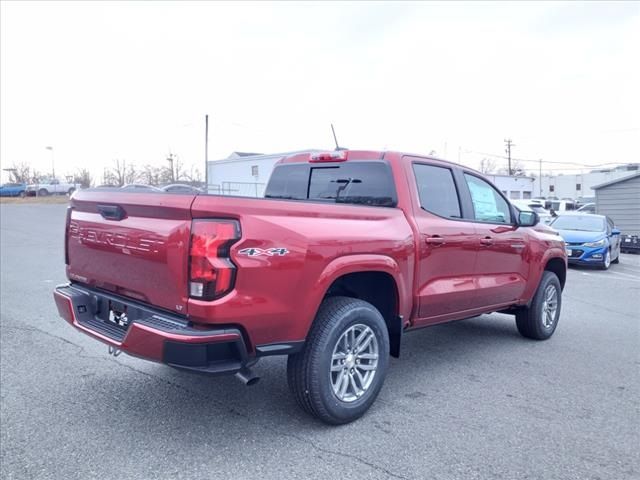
x=446, y=248
x=501, y=268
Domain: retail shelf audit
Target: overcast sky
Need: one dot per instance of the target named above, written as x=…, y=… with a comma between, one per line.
x=100, y=81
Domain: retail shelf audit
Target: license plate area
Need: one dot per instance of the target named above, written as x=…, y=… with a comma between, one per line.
x=118, y=315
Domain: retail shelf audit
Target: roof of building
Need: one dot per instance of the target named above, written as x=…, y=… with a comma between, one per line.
x=618, y=180
x=243, y=154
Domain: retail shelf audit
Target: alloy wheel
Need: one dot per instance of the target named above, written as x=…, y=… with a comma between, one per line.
x=354, y=363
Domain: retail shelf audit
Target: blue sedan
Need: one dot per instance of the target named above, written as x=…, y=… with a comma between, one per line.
x=13, y=190
x=590, y=239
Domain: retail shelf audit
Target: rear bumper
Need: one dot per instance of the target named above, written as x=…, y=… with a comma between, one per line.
x=151, y=334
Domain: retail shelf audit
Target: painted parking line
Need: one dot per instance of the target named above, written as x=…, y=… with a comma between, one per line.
x=611, y=276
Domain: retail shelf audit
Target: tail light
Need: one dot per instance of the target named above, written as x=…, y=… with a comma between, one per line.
x=66, y=235
x=339, y=156
x=211, y=272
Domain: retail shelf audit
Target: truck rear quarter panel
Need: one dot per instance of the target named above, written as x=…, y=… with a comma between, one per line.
x=277, y=295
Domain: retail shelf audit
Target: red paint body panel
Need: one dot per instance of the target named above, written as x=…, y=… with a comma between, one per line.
x=145, y=256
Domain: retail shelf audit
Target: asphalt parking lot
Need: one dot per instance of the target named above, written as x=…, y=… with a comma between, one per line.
x=469, y=400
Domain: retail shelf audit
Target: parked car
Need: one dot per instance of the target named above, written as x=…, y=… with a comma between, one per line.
x=587, y=208
x=560, y=206
x=180, y=188
x=13, y=190
x=140, y=187
x=591, y=239
x=51, y=186
x=534, y=206
x=347, y=251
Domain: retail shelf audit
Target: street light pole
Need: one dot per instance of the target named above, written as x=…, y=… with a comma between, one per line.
x=53, y=166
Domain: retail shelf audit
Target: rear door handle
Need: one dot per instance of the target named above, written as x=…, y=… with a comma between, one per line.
x=486, y=241
x=435, y=240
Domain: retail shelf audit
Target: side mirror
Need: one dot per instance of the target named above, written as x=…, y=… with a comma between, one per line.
x=615, y=231
x=528, y=219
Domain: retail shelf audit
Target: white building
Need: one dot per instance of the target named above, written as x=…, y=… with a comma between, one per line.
x=579, y=185
x=514, y=188
x=243, y=174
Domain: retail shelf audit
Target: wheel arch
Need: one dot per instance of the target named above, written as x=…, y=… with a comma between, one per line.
x=375, y=279
x=557, y=266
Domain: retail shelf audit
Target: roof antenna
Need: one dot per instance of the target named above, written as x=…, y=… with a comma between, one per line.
x=335, y=139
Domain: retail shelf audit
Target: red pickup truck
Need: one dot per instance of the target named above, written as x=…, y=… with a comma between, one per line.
x=347, y=251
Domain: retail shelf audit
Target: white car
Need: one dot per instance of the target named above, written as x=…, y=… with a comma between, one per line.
x=51, y=186
x=587, y=208
x=534, y=206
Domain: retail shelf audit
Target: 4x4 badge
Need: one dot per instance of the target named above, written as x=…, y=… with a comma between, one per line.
x=270, y=252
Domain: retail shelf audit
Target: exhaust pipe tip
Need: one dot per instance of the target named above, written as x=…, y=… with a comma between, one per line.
x=247, y=376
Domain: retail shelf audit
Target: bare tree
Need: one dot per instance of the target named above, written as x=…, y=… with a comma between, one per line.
x=151, y=175
x=19, y=173
x=517, y=169
x=83, y=177
x=121, y=174
x=487, y=165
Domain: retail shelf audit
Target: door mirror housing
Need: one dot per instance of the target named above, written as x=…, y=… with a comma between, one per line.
x=528, y=219
x=615, y=231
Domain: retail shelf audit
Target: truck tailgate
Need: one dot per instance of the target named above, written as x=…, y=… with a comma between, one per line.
x=132, y=244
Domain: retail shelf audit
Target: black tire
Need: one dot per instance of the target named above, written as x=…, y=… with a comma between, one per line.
x=606, y=262
x=309, y=371
x=530, y=321
x=43, y=192
x=71, y=190
x=617, y=259
x=22, y=194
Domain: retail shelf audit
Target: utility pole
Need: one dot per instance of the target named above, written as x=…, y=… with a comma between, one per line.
x=170, y=160
x=540, y=183
x=509, y=144
x=53, y=167
x=206, y=153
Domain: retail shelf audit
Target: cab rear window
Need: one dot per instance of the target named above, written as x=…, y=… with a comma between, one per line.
x=359, y=183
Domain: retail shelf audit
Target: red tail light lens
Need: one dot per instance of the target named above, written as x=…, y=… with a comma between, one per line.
x=211, y=272
x=66, y=235
x=339, y=156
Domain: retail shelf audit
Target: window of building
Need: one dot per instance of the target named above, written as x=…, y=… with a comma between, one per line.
x=437, y=190
x=551, y=188
x=254, y=170
x=514, y=195
x=526, y=195
x=578, y=186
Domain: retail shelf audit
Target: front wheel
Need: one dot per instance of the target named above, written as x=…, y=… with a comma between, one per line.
x=617, y=259
x=606, y=263
x=540, y=319
x=340, y=371
x=43, y=192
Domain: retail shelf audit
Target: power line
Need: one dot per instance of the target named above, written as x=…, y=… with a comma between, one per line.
x=583, y=165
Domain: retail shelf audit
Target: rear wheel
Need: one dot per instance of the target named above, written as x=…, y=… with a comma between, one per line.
x=71, y=190
x=43, y=192
x=22, y=194
x=540, y=319
x=340, y=371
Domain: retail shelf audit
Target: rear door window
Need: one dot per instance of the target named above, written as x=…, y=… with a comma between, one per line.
x=437, y=190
